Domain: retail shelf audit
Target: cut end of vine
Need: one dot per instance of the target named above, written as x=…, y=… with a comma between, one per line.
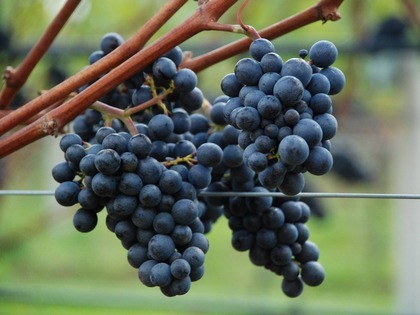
x=49, y=126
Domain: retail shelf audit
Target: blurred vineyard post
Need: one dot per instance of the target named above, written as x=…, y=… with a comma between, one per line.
x=407, y=174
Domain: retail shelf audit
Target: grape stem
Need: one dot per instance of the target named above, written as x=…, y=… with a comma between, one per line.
x=16, y=78
x=110, y=112
x=215, y=26
x=189, y=159
x=249, y=30
x=324, y=10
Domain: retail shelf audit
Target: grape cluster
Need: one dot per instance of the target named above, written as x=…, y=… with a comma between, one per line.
x=273, y=124
x=276, y=237
x=272, y=231
x=152, y=207
x=284, y=112
x=162, y=75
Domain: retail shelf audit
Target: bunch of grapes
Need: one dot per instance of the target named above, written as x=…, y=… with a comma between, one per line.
x=273, y=124
x=272, y=231
x=284, y=112
x=152, y=207
x=163, y=75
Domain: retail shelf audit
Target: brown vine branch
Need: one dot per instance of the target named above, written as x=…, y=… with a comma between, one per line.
x=324, y=10
x=209, y=11
x=16, y=78
x=89, y=74
x=58, y=118
x=5, y=112
x=113, y=112
x=239, y=16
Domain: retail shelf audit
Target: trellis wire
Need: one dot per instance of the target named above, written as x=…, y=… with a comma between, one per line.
x=248, y=194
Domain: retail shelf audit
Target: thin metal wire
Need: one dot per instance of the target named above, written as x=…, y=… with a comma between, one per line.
x=247, y=194
x=312, y=195
x=26, y=192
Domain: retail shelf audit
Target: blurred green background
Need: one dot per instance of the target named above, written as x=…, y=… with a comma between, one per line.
x=46, y=267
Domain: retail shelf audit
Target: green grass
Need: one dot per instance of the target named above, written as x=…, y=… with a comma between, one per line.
x=45, y=299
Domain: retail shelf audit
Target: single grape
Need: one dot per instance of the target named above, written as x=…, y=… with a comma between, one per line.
x=298, y=68
x=149, y=170
x=319, y=84
x=185, y=80
x=292, y=288
x=95, y=56
x=175, y=54
x=260, y=47
x=292, y=183
x=116, y=142
x=323, y=53
x=257, y=161
x=328, y=125
x=184, y=211
x=150, y=196
x=320, y=103
x=66, y=193
x=230, y=85
x=160, y=127
x=209, y=154
x=123, y=205
x=310, y=252
x=110, y=41
x=269, y=107
x=144, y=272
x=273, y=218
x=104, y=185
x=266, y=239
x=281, y=255
x=69, y=139
x=271, y=62
x=293, y=150
x=232, y=156
x=181, y=120
x=194, y=256
x=180, y=268
x=161, y=247
x=336, y=78
x=163, y=223
x=309, y=130
x=75, y=153
x=160, y=274
x=289, y=90
x=248, y=118
x=136, y=255
x=85, y=220
x=313, y=274
x=130, y=184
x=248, y=71
x=89, y=200
x=107, y=161
x=181, y=234
x=199, y=176
x=319, y=162
x=164, y=68
x=192, y=100
x=143, y=217
x=125, y=231
x=61, y=172
x=170, y=182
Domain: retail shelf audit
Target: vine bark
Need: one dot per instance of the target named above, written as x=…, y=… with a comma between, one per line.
x=128, y=59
